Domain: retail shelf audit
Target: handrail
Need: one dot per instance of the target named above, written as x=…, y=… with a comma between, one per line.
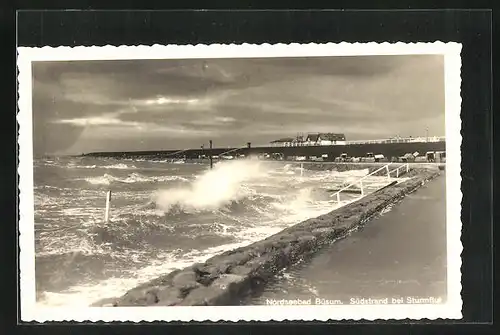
x=407, y=165
x=360, y=181
x=235, y=149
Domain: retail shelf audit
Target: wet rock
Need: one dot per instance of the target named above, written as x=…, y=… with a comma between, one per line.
x=169, y=297
x=138, y=297
x=238, y=258
x=185, y=280
x=151, y=297
x=241, y=270
x=205, y=296
x=229, y=281
x=307, y=241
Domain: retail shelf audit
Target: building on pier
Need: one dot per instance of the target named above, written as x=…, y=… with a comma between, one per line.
x=312, y=139
x=283, y=142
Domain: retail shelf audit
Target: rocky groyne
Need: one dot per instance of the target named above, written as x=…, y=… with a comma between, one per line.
x=226, y=278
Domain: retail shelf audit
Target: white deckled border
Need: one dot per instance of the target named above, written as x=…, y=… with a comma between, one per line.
x=451, y=309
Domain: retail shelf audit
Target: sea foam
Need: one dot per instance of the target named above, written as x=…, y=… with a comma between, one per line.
x=214, y=188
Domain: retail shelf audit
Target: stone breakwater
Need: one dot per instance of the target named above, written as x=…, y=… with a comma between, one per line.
x=226, y=278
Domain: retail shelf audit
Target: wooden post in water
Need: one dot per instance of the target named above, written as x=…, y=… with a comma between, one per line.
x=108, y=204
x=211, y=155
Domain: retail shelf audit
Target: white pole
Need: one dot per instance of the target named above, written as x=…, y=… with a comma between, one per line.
x=338, y=197
x=407, y=167
x=108, y=203
x=397, y=172
x=361, y=186
x=388, y=173
x=301, y=169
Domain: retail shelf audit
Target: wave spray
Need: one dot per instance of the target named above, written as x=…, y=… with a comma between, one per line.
x=213, y=189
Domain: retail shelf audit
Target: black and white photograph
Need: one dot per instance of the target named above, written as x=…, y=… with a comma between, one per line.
x=253, y=182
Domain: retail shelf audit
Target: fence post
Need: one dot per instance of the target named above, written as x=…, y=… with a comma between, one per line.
x=397, y=172
x=361, y=186
x=301, y=169
x=407, y=167
x=108, y=204
x=338, y=197
x=388, y=173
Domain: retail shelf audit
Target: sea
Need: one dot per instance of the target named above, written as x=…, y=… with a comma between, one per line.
x=164, y=215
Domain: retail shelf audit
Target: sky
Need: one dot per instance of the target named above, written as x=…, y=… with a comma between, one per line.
x=129, y=105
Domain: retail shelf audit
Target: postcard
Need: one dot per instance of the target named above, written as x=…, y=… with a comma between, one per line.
x=240, y=182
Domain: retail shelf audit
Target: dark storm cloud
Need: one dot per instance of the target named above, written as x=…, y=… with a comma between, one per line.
x=159, y=104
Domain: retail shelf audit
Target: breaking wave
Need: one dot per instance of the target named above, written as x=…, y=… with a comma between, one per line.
x=119, y=166
x=107, y=179
x=213, y=189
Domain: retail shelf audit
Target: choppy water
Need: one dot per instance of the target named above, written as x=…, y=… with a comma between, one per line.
x=163, y=216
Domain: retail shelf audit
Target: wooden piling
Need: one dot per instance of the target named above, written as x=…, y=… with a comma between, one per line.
x=211, y=156
x=108, y=205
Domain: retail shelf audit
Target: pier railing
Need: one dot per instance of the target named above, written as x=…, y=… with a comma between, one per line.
x=400, y=140
x=430, y=139
x=404, y=166
x=360, y=181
